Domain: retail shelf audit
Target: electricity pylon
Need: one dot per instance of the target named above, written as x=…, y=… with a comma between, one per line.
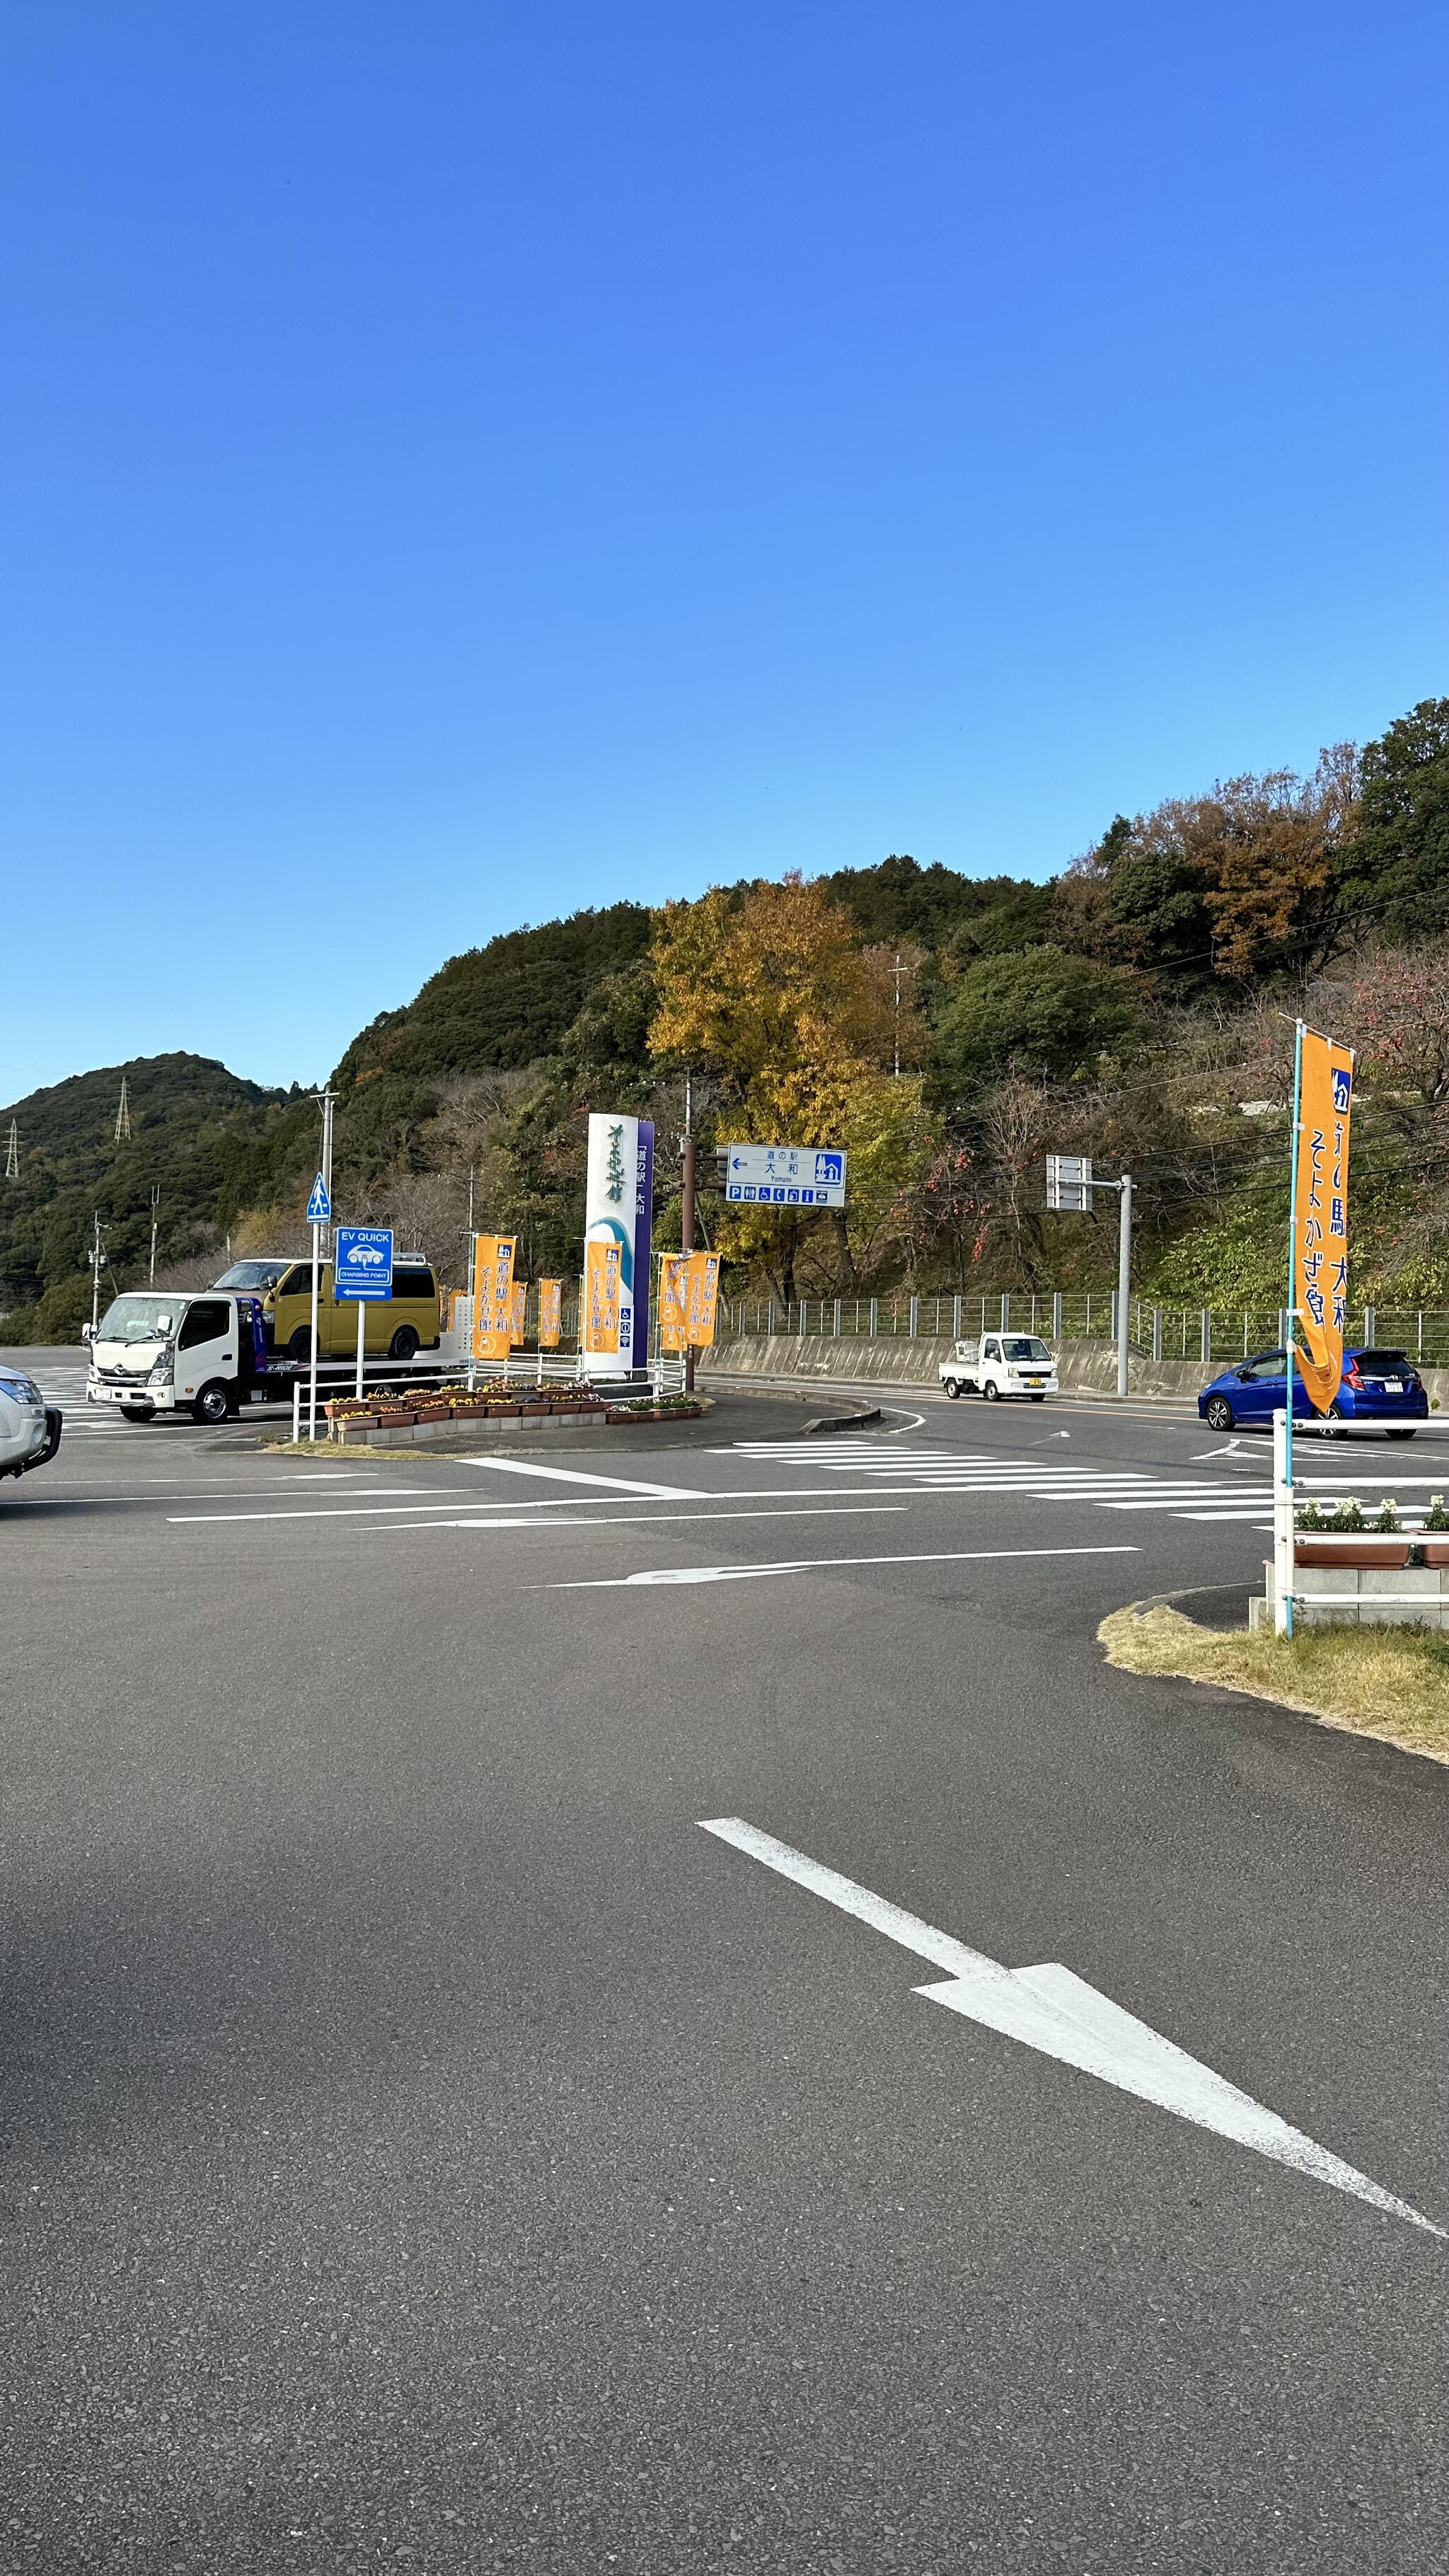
x=12, y=1155
x=123, y=1116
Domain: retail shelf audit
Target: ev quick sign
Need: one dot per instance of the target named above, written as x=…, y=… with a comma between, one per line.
x=618, y=1205
x=363, y=1263
x=784, y=1176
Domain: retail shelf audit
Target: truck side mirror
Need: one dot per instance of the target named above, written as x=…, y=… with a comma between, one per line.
x=163, y=1323
x=87, y=1332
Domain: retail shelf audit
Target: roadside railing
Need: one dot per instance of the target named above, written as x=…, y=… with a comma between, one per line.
x=1201, y=1334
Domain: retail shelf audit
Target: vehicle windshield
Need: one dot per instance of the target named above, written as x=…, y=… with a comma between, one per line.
x=254, y=1274
x=133, y=1319
x=1023, y=1346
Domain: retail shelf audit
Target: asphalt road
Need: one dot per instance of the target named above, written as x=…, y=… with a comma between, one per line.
x=425, y=2146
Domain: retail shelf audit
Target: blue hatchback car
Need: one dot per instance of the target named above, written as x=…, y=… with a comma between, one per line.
x=1381, y=1388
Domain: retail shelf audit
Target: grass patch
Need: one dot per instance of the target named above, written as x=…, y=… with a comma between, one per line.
x=1392, y=1683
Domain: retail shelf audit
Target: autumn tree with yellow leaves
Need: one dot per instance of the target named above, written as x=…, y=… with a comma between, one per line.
x=773, y=994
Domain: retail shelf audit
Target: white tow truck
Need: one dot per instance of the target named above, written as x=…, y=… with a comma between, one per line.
x=1001, y=1364
x=161, y=1352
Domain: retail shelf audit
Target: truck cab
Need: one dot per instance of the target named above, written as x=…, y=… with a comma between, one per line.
x=169, y=1350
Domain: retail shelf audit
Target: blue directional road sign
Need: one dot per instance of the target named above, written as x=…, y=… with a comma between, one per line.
x=319, y=1205
x=785, y=1176
x=362, y=1266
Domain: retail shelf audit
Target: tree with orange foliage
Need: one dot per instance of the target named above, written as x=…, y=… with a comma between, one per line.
x=773, y=993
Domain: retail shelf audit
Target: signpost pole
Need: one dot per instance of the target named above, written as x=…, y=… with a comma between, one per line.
x=361, y=1338
x=312, y=1364
x=1283, y=1549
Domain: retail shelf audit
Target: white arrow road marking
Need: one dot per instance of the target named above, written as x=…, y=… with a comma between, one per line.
x=812, y=1564
x=578, y=1476
x=1050, y=2009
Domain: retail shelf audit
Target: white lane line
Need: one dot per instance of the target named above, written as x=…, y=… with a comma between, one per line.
x=812, y=1564
x=627, y=1520
x=577, y=1476
x=316, y=1512
x=1050, y=2009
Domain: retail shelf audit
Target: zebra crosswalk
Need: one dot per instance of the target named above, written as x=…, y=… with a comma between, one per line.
x=943, y=1471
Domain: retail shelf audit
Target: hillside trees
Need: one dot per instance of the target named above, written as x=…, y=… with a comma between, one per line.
x=774, y=995
x=1398, y=871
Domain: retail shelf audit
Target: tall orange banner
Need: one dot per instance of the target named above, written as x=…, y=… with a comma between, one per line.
x=673, y=1300
x=520, y=1309
x=492, y=1295
x=550, y=1313
x=688, y=1292
x=703, y=1291
x=601, y=1297
x=1320, y=1241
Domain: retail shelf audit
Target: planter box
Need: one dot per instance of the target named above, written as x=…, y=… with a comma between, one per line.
x=1436, y=1550
x=1357, y=1549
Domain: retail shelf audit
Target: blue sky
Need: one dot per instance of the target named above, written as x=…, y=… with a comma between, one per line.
x=465, y=462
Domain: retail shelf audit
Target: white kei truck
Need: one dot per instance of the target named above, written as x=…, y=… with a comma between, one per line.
x=1001, y=1364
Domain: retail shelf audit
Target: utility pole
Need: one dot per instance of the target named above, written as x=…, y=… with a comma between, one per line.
x=98, y=1254
x=155, y=1203
x=12, y=1155
x=326, y=1101
x=686, y=1207
x=898, y=1016
x=123, y=1117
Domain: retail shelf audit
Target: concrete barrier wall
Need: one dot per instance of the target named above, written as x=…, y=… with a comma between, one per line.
x=1084, y=1368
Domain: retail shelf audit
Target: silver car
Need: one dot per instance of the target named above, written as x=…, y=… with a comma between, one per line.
x=29, y=1427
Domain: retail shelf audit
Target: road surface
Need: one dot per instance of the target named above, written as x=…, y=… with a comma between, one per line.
x=441, y=2131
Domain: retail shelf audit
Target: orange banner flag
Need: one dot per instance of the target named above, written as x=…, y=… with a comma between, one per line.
x=550, y=1313
x=492, y=1295
x=1320, y=1232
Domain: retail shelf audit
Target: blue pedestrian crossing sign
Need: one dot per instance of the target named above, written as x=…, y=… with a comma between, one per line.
x=319, y=1205
x=362, y=1266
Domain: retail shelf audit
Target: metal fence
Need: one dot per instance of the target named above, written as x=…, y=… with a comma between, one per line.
x=1201, y=1334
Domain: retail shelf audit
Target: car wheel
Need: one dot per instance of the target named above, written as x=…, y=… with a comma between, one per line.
x=1219, y=1414
x=1333, y=1423
x=212, y=1405
x=991, y=1391
x=300, y=1345
x=952, y=1389
x=404, y=1344
x=1399, y=1435
x=138, y=1413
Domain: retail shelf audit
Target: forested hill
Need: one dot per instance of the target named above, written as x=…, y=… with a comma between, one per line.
x=502, y=1005
x=200, y=1135
x=1120, y=1009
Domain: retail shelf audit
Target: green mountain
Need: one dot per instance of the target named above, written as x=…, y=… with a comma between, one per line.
x=205, y=1138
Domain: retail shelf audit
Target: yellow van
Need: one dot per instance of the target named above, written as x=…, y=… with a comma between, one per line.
x=398, y=1326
